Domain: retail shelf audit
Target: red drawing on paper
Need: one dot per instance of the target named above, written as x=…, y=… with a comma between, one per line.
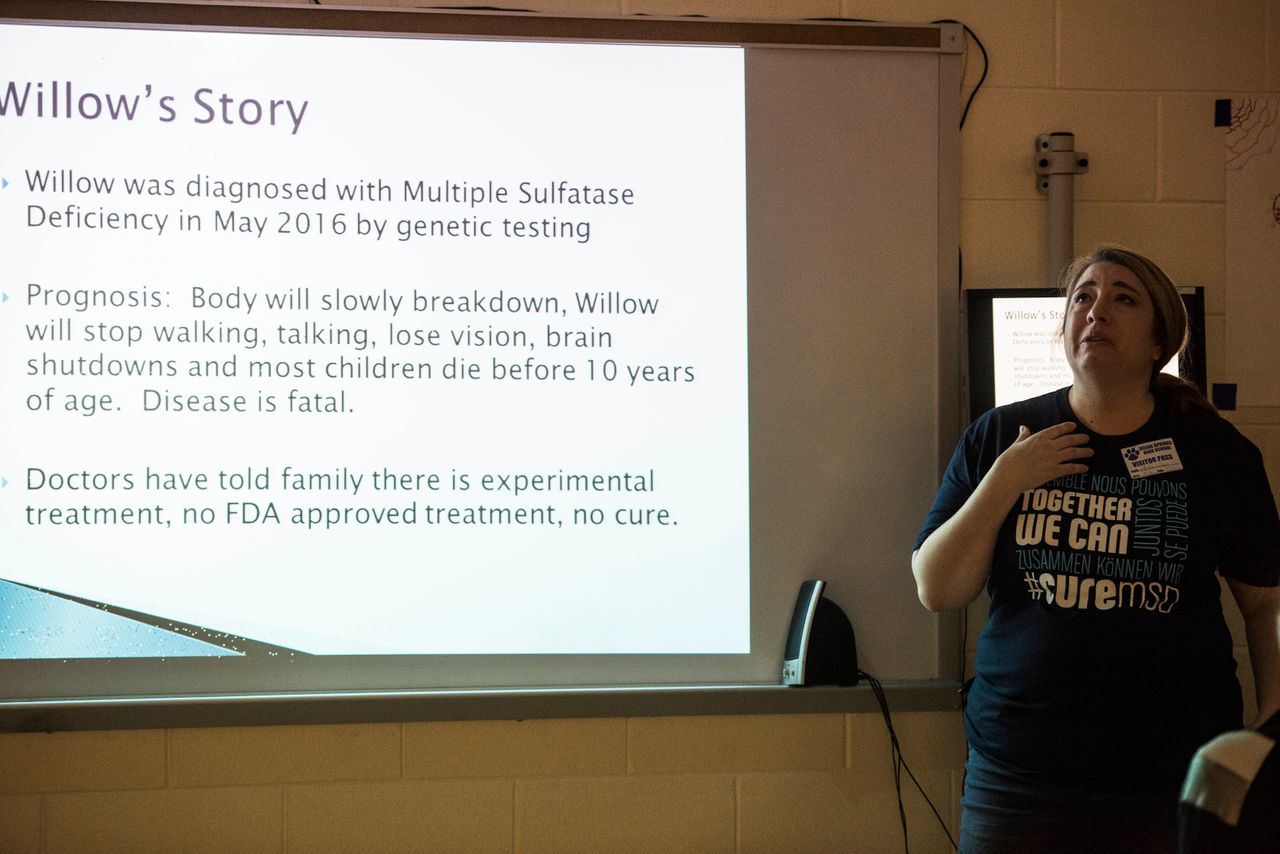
x=1255, y=124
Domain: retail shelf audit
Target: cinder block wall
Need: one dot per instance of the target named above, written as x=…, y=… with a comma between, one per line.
x=1135, y=81
x=805, y=783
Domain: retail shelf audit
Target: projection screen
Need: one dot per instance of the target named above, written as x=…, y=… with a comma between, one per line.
x=359, y=351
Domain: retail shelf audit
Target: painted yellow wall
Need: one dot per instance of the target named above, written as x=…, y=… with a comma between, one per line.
x=1135, y=80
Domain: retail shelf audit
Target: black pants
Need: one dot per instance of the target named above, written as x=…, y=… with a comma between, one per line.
x=1004, y=813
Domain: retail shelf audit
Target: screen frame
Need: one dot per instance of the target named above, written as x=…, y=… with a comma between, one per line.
x=135, y=707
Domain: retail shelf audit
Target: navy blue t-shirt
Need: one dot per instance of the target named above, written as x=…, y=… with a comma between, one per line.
x=1106, y=661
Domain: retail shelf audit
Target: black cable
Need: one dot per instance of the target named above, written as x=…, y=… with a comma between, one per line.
x=986, y=64
x=964, y=114
x=900, y=765
x=986, y=61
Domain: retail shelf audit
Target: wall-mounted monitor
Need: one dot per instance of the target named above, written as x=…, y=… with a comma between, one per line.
x=1015, y=346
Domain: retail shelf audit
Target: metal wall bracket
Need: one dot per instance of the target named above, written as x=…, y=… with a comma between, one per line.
x=1057, y=165
x=1055, y=156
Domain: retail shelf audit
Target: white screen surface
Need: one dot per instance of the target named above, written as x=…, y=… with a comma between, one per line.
x=537, y=251
x=1027, y=353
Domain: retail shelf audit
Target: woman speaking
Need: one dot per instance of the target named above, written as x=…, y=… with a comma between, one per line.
x=1098, y=518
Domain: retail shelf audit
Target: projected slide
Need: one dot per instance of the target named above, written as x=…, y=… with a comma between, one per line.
x=339, y=346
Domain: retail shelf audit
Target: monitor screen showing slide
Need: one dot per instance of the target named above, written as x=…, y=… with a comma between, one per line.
x=1015, y=345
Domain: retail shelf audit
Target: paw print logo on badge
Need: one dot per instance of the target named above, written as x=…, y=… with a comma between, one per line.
x=1132, y=454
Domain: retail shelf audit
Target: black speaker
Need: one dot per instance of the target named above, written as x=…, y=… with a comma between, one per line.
x=820, y=645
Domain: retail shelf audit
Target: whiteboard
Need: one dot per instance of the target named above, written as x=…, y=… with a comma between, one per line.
x=831, y=314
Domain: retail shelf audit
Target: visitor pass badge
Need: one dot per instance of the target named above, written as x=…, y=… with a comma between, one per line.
x=1151, y=458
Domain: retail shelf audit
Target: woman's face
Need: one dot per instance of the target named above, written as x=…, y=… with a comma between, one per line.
x=1109, y=330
